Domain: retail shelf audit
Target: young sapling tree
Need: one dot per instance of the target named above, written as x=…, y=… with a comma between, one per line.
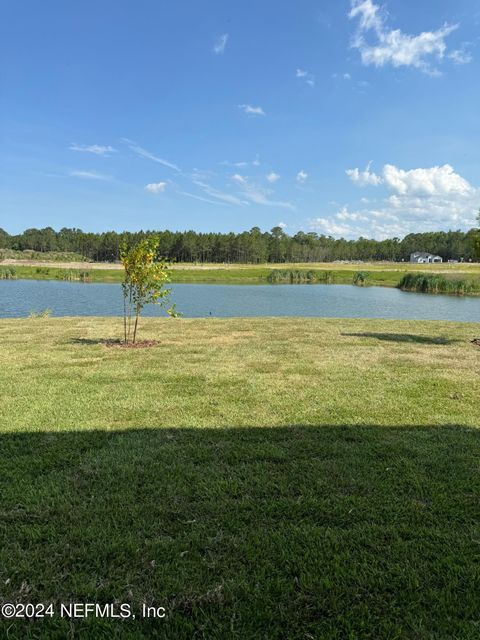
x=145, y=281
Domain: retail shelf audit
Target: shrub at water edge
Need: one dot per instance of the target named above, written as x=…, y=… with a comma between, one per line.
x=8, y=273
x=360, y=278
x=44, y=313
x=299, y=276
x=437, y=283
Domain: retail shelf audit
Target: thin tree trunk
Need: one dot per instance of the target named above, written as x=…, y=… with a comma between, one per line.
x=135, y=328
x=125, y=318
x=129, y=315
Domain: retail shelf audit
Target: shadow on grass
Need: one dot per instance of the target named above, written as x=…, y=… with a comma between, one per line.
x=116, y=342
x=324, y=532
x=404, y=337
x=93, y=341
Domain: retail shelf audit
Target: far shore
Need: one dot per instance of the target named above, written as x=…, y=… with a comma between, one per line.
x=445, y=267
x=379, y=274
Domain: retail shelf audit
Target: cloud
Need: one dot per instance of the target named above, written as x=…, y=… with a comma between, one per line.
x=364, y=178
x=282, y=225
x=239, y=179
x=220, y=44
x=258, y=195
x=460, y=56
x=253, y=111
x=433, y=181
x=89, y=175
x=302, y=177
x=345, y=76
x=368, y=12
x=394, y=47
x=436, y=181
x=240, y=165
x=143, y=153
x=330, y=227
x=308, y=77
x=219, y=195
x=97, y=149
x=273, y=177
x=201, y=198
x=344, y=214
x=156, y=187
x=418, y=200
x=261, y=196
x=202, y=174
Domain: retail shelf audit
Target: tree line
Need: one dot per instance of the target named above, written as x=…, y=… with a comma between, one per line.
x=252, y=246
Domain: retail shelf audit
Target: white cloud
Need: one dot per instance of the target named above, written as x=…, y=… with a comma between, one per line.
x=201, y=198
x=282, y=225
x=143, y=153
x=273, y=177
x=419, y=200
x=202, y=174
x=364, y=178
x=460, y=56
x=368, y=12
x=433, y=181
x=238, y=178
x=302, y=177
x=89, y=175
x=343, y=76
x=344, y=214
x=219, y=195
x=239, y=165
x=308, y=77
x=261, y=196
x=393, y=46
x=97, y=149
x=253, y=111
x=220, y=44
x=436, y=181
x=247, y=193
x=258, y=195
x=156, y=187
x=331, y=227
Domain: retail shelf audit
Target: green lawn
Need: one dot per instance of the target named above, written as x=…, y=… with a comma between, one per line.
x=265, y=478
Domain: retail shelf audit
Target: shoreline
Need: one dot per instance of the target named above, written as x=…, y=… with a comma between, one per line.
x=379, y=274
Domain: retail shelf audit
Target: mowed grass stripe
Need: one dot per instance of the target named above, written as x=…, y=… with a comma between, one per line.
x=56, y=374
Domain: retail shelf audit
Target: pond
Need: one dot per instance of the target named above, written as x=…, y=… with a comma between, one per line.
x=19, y=297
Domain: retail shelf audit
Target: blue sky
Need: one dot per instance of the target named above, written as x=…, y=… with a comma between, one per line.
x=345, y=117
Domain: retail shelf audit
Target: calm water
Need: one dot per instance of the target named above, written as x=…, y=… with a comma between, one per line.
x=19, y=297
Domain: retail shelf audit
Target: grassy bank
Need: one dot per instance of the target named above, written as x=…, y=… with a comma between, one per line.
x=251, y=274
x=260, y=478
x=438, y=283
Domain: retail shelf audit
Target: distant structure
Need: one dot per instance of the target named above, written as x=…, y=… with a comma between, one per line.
x=420, y=257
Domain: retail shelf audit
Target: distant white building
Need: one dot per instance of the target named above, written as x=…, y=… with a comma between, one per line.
x=420, y=257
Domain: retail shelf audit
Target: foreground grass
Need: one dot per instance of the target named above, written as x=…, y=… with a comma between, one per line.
x=297, y=478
